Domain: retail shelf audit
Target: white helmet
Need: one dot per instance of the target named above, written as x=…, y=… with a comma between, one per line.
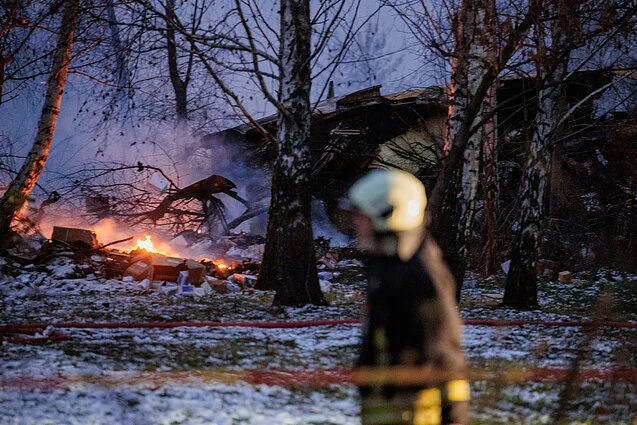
x=394, y=200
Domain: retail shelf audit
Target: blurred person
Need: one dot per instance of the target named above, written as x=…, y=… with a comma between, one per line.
x=412, y=323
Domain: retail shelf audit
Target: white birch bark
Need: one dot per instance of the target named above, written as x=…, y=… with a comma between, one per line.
x=469, y=69
x=459, y=86
x=25, y=180
x=448, y=225
x=294, y=278
x=476, y=69
x=521, y=285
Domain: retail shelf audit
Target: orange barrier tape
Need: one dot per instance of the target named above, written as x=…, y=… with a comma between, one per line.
x=312, y=378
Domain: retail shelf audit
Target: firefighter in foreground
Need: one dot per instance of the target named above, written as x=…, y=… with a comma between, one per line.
x=411, y=346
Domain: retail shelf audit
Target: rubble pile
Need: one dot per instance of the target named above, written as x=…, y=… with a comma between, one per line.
x=72, y=257
x=73, y=254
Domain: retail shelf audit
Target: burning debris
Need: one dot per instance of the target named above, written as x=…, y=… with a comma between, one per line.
x=156, y=269
x=74, y=253
x=74, y=259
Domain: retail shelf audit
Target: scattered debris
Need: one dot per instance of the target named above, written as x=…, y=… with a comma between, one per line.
x=159, y=183
x=326, y=285
x=186, y=290
x=168, y=268
x=182, y=279
x=565, y=277
x=252, y=252
x=204, y=289
x=75, y=253
x=75, y=236
x=218, y=286
x=116, y=264
x=547, y=268
x=203, y=191
x=350, y=263
x=138, y=271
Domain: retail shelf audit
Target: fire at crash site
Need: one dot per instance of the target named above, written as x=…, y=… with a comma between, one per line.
x=157, y=266
x=343, y=212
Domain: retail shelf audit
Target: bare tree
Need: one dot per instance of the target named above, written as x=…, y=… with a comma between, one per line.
x=122, y=70
x=521, y=290
x=23, y=183
x=474, y=56
x=265, y=58
x=564, y=27
x=289, y=263
x=10, y=19
x=21, y=57
x=144, y=68
x=475, y=67
x=489, y=39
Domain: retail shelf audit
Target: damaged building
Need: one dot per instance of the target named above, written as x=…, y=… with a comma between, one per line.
x=354, y=132
x=593, y=189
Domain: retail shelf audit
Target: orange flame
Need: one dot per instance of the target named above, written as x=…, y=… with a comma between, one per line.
x=147, y=245
x=220, y=264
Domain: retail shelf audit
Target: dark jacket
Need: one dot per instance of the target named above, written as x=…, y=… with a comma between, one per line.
x=414, y=301
x=413, y=304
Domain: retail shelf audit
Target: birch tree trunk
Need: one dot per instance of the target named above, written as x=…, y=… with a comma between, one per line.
x=521, y=284
x=469, y=70
x=21, y=186
x=445, y=219
x=476, y=70
x=289, y=263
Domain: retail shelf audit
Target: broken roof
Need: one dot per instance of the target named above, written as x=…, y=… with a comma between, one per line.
x=435, y=96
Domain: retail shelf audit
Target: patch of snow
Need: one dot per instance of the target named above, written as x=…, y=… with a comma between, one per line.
x=600, y=157
x=326, y=275
x=63, y=270
x=590, y=202
x=233, y=287
x=115, y=376
x=349, y=263
x=506, y=266
x=252, y=252
x=326, y=285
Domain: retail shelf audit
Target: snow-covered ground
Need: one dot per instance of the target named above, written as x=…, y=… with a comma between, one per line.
x=205, y=375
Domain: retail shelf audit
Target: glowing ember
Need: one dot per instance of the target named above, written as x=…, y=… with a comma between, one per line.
x=218, y=264
x=146, y=244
